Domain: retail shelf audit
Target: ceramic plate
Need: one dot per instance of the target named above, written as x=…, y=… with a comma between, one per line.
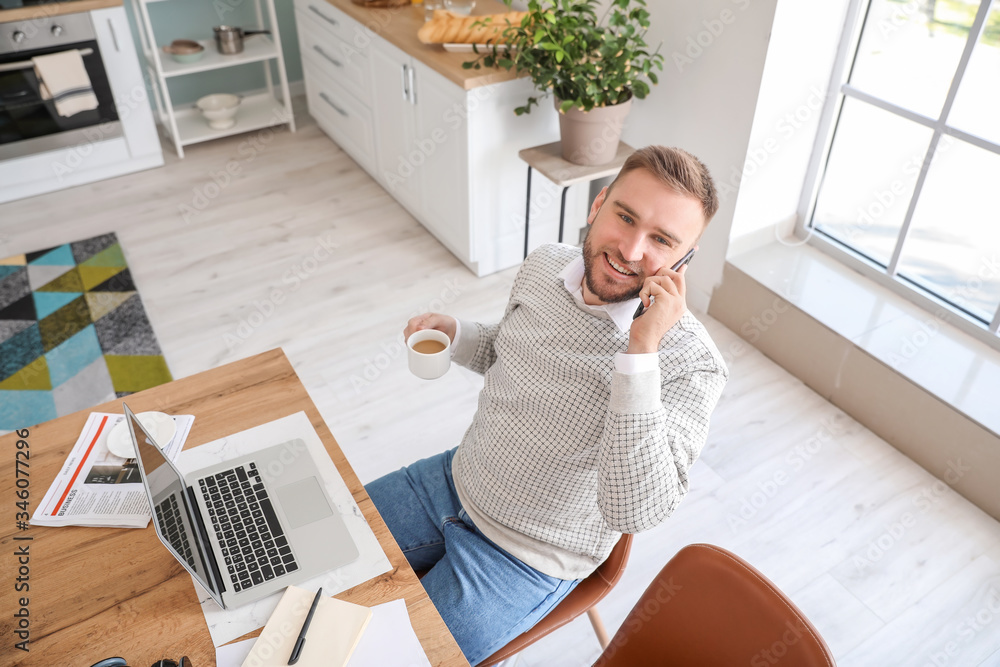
x=467, y=48
x=159, y=425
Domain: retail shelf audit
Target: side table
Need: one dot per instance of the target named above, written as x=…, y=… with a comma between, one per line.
x=548, y=160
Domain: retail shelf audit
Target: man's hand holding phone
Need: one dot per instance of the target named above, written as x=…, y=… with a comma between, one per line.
x=663, y=298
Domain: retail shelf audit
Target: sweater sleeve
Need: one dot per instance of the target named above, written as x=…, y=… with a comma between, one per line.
x=653, y=433
x=474, y=347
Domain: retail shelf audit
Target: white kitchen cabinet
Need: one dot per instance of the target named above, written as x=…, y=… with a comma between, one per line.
x=422, y=144
x=446, y=152
x=337, y=78
x=341, y=115
x=392, y=79
x=442, y=142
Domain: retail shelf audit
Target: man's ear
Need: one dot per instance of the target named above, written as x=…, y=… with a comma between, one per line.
x=596, y=206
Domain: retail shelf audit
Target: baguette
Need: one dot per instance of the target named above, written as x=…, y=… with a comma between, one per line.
x=449, y=28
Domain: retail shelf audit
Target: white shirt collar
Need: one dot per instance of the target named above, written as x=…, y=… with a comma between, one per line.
x=620, y=313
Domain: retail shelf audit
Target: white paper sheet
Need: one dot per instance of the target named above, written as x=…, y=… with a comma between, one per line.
x=389, y=640
x=233, y=655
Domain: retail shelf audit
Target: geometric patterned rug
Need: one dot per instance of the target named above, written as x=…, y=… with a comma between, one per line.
x=73, y=332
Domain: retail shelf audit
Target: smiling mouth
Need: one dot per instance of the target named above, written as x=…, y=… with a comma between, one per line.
x=618, y=267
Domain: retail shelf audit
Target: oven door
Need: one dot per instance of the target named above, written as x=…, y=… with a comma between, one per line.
x=30, y=125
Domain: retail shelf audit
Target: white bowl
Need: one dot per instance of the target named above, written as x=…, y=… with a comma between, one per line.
x=219, y=110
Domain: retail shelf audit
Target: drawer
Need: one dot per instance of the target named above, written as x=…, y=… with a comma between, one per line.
x=340, y=115
x=344, y=64
x=327, y=17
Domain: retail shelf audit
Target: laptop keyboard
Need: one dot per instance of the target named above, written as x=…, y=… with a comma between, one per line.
x=253, y=544
x=168, y=515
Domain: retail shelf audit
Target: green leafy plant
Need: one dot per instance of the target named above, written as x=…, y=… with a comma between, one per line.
x=567, y=51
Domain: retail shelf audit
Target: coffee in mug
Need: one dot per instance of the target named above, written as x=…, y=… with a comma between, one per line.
x=429, y=353
x=429, y=346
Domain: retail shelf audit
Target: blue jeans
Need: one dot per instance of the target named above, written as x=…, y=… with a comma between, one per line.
x=485, y=596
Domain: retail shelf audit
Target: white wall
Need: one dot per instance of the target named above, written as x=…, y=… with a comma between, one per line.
x=795, y=85
x=714, y=54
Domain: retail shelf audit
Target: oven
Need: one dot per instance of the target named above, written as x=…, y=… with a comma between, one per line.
x=29, y=124
x=42, y=151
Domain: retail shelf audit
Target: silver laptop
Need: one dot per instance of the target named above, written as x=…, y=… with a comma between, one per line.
x=246, y=527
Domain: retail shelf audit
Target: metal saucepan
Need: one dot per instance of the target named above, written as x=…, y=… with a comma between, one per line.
x=229, y=39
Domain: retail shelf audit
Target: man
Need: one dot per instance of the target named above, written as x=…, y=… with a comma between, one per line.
x=587, y=423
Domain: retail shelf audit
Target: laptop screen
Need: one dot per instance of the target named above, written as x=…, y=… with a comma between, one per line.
x=174, y=517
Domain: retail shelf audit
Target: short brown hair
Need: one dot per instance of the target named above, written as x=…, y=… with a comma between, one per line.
x=679, y=170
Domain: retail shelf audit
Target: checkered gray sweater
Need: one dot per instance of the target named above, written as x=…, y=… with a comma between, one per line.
x=564, y=453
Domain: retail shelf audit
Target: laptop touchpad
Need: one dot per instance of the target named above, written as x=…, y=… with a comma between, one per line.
x=304, y=502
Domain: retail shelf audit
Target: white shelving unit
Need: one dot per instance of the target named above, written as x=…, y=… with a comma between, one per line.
x=183, y=123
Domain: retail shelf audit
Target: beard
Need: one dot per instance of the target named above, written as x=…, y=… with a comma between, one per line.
x=607, y=292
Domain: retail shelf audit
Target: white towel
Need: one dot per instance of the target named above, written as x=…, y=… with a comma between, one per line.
x=64, y=80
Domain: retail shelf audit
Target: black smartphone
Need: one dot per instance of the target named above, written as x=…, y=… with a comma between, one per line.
x=681, y=262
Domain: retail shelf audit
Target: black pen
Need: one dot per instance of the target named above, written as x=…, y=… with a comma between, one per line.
x=676, y=267
x=300, y=642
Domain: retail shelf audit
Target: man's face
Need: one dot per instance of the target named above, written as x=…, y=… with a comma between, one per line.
x=636, y=229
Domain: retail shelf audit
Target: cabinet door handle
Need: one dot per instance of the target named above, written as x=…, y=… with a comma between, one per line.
x=412, y=84
x=335, y=107
x=114, y=36
x=327, y=56
x=324, y=16
x=406, y=83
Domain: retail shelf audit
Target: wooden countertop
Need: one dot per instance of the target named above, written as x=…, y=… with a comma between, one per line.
x=55, y=9
x=399, y=25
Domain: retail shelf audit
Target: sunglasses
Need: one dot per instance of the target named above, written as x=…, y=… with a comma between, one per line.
x=121, y=662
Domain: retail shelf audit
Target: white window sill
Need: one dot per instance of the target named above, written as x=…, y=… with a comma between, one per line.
x=947, y=363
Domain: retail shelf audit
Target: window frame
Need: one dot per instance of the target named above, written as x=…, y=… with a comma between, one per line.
x=839, y=89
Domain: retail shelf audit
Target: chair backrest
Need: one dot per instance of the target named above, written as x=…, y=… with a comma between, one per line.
x=709, y=607
x=587, y=593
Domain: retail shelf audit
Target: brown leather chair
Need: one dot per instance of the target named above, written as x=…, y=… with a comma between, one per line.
x=709, y=607
x=581, y=599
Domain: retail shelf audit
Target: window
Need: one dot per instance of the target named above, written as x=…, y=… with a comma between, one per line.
x=907, y=184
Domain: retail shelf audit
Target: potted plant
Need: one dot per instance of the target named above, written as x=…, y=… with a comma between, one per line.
x=593, y=66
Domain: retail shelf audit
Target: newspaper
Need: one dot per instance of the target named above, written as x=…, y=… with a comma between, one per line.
x=98, y=488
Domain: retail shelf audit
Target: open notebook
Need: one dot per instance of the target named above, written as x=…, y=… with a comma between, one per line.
x=333, y=634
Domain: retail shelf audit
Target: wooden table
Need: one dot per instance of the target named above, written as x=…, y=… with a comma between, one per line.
x=101, y=592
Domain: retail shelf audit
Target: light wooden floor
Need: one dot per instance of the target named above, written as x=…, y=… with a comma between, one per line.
x=303, y=250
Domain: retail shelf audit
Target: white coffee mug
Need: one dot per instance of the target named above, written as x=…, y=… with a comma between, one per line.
x=432, y=364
